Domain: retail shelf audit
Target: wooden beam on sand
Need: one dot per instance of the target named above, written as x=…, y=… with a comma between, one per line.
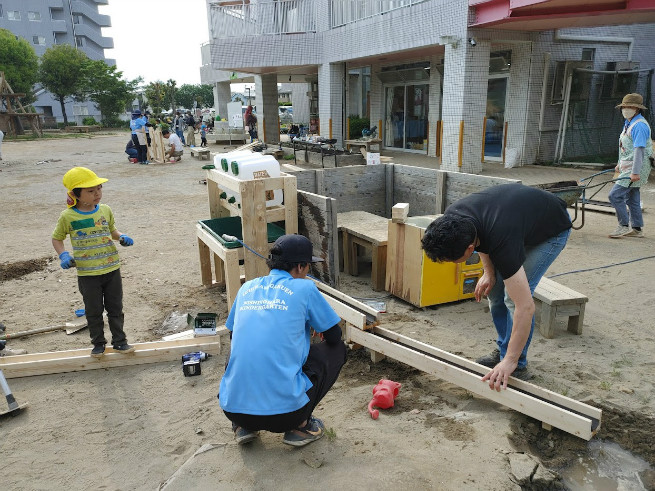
x=550, y=408
x=81, y=359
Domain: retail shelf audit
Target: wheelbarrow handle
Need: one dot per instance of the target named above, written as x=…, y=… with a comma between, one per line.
x=597, y=174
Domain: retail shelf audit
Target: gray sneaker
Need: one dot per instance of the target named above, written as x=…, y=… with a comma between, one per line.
x=313, y=430
x=621, y=231
x=490, y=360
x=635, y=233
x=242, y=436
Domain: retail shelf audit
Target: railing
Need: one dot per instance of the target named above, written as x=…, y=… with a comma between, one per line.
x=265, y=17
x=349, y=11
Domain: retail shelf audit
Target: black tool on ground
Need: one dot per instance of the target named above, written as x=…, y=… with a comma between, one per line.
x=11, y=400
x=191, y=363
x=2, y=327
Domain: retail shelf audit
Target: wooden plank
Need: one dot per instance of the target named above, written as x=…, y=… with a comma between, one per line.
x=367, y=226
x=554, y=293
x=253, y=222
x=351, y=302
x=317, y=221
x=564, y=418
x=399, y=212
x=290, y=205
x=412, y=264
x=81, y=359
x=346, y=312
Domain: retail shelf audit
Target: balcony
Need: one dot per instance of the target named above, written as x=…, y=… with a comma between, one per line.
x=349, y=11
x=83, y=9
x=94, y=35
x=237, y=19
x=59, y=26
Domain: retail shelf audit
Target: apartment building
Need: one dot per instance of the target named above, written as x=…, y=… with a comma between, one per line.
x=45, y=23
x=463, y=80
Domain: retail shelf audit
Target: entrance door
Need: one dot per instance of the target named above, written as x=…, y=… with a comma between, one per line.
x=493, y=133
x=406, y=117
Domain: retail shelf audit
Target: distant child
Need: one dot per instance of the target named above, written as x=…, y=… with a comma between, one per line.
x=91, y=228
x=203, y=135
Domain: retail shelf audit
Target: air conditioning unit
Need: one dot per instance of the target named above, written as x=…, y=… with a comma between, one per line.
x=580, y=83
x=616, y=85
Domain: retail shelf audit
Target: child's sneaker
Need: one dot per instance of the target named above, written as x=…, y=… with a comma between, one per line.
x=312, y=431
x=98, y=350
x=124, y=348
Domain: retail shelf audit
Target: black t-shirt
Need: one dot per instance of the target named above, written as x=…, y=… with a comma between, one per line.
x=510, y=217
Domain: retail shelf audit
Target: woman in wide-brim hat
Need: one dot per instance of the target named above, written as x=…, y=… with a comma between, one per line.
x=635, y=152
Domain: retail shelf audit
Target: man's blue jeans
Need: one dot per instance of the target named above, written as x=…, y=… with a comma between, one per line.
x=180, y=133
x=537, y=260
x=627, y=203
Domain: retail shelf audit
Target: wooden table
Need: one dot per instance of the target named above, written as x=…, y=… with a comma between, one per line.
x=372, y=142
x=200, y=153
x=324, y=147
x=360, y=228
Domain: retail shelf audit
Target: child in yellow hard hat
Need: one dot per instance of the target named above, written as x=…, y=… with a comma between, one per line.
x=92, y=232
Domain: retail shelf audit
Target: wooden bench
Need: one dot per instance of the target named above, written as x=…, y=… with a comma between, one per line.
x=363, y=229
x=200, y=153
x=558, y=300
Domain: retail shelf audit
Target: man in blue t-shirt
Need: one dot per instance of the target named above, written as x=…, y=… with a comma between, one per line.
x=274, y=377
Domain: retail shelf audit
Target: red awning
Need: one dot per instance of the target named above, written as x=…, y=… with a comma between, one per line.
x=542, y=15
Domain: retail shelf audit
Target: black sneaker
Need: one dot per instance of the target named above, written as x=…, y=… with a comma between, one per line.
x=490, y=360
x=523, y=374
x=124, y=348
x=98, y=350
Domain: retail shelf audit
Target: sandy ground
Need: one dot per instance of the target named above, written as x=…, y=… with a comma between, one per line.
x=138, y=427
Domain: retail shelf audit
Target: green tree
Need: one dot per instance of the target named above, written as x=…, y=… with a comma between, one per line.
x=62, y=73
x=20, y=64
x=171, y=93
x=155, y=93
x=104, y=86
x=203, y=95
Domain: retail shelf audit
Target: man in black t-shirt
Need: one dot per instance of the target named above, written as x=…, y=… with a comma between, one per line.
x=518, y=232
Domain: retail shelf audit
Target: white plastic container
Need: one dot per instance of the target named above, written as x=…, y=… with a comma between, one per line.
x=222, y=160
x=257, y=166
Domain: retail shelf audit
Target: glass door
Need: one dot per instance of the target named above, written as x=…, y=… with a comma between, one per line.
x=495, y=126
x=406, y=117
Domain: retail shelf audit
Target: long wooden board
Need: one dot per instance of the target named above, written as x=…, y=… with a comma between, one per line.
x=81, y=359
x=548, y=407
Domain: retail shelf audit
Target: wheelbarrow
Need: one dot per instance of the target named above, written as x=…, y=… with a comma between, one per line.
x=574, y=193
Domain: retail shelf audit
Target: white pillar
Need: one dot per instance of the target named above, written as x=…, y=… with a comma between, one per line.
x=268, y=122
x=466, y=74
x=330, y=100
x=222, y=95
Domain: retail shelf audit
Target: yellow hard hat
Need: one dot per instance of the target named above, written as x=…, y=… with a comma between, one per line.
x=80, y=177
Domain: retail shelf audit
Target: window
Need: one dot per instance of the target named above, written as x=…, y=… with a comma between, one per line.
x=77, y=19
x=79, y=41
x=588, y=54
x=40, y=40
x=34, y=16
x=80, y=110
x=13, y=15
x=1, y=10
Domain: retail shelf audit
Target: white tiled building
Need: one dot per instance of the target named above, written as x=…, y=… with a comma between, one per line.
x=463, y=80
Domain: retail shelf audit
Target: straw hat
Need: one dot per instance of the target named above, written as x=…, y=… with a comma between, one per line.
x=632, y=100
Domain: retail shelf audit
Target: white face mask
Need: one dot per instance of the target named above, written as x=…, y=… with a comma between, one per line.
x=628, y=112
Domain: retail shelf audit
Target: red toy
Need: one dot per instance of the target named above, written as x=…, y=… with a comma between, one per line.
x=384, y=394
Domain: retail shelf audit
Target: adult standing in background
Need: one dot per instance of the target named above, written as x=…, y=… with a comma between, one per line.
x=251, y=123
x=2, y=135
x=635, y=151
x=137, y=125
x=191, y=129
x=179, y=126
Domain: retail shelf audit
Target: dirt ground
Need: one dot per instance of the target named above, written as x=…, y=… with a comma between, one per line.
x=138, y=427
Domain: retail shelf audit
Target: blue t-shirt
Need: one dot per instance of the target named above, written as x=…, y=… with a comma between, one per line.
x=137, y=124
x=270, y=322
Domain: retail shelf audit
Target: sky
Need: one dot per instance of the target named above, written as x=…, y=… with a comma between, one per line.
x=157, y=39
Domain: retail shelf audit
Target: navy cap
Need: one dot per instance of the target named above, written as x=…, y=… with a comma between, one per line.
x=295, y=249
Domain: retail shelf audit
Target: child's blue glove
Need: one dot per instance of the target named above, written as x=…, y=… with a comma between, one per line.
x=125, y=240
x=66, y=260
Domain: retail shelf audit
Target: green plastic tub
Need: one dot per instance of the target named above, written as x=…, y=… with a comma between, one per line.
x=232, y=226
